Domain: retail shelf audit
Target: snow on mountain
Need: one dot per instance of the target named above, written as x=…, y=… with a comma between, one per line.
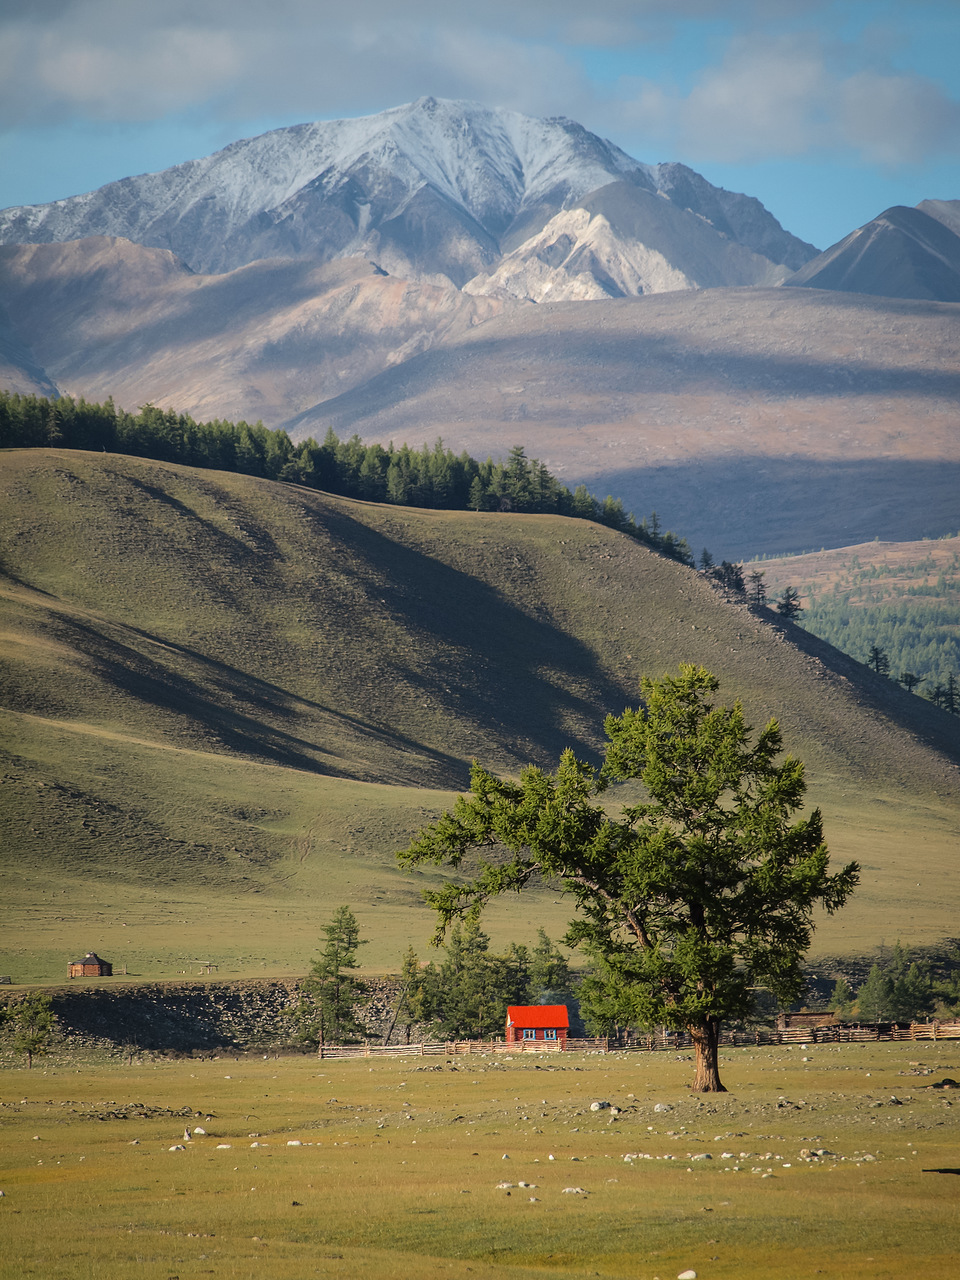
x=435, y=189
x=622, y=241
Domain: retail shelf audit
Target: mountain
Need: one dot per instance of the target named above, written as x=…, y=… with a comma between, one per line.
x=434, y=189
x=754, y=421
x=223, y=702
x=622, y=241
x=903, y=253
x=105, y=317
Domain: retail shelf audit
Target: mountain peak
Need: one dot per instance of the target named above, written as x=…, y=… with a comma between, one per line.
x=436, y=189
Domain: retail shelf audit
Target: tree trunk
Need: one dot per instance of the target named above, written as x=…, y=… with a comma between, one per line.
x=706, y=1040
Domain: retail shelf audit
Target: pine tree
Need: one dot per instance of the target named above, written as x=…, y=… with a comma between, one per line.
x=873, y=998
x=31, y=1022
x=549, y=971
x=757, y=591
x=789, y=606
x=331, y=992
x=842, y=997
x=878, y=659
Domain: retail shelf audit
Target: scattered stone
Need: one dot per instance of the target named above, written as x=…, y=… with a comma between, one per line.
x=199, y=1133
x=223, y=1146
x=573, y=1191
x=703, y=1155
x=294, y=1142
x=599, y=1106
x=178, y=1147
x=687, y=1275
x=663, y=1106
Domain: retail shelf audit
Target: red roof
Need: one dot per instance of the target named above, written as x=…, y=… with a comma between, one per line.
x=538, y=1015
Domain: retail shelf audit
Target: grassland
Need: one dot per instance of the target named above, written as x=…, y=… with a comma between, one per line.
x=225, y=703
x=399, y=1162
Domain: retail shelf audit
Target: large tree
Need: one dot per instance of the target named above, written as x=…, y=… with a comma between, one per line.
x=689, y=899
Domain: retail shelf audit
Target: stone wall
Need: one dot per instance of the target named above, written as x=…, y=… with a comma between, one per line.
x=189, y=1017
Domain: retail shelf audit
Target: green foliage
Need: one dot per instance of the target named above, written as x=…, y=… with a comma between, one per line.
x=550, y=979
x=757, y=591
x=842, y=998
x=692, y=897
x=327, y=1012
x=788, y=606
x=30, y=1024
x=466, y=996
x=910, y=613
x=901, y=991
x=429, y=477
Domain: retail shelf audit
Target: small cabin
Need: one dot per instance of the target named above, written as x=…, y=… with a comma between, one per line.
x=91, y=966
x=548, y=1023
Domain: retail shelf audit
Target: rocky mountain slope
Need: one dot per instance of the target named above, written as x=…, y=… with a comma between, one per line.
x=753, y=420
x=432, y=189
x=903, y=253
x=105, y=317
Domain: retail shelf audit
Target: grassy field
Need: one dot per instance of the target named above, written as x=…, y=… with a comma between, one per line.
x=397, y=1167
x=225, y=704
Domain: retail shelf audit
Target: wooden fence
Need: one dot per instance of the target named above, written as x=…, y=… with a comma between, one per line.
x=655, y=1042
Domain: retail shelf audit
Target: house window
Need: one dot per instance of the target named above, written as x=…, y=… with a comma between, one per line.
x=549, y=1035
x=529, y=1033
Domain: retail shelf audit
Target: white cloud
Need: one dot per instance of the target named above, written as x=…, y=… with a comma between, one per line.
x=240, y=60
x=785, y=97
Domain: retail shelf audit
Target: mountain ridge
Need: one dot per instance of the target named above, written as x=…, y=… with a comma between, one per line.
x=426, y=189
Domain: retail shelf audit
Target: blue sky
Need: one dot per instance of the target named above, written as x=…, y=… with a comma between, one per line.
x=828, y=111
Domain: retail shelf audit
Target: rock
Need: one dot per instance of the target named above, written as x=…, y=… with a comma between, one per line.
x=599, y=1106
x=573, y=1191
x=294, y=1142
x=703, y=1155
x=663, y=1106
x=687, y=1275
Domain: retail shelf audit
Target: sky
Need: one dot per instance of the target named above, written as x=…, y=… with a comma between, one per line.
x=828, y=111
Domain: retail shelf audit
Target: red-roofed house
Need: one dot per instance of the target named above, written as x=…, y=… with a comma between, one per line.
x=538, y=1022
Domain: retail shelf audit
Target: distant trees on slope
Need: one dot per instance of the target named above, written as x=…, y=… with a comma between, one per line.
x=427, y=477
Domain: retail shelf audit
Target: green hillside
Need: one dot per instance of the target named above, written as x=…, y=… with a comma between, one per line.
x=903, y=597
x=227, y=701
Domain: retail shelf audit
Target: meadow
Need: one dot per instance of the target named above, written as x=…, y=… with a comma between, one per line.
x=488, y=1166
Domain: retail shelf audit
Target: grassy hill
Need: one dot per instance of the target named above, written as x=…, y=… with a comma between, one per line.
x=226, y=702
x=903, y=597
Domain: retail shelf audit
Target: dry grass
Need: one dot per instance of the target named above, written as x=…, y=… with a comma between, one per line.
x=399, y=1164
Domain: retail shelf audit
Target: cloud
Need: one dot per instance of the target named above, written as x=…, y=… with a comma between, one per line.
x=244, y=60
x=786, y=97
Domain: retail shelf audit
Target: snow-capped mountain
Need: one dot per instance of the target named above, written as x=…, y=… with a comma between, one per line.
x=435, y=189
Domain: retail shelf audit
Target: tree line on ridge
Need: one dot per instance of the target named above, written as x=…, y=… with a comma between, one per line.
x=432, y=476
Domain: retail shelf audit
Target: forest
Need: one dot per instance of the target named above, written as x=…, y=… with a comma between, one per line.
x=432, y=476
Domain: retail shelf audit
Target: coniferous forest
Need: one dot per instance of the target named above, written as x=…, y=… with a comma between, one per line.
x=432, y=476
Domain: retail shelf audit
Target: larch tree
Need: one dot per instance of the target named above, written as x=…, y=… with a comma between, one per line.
x=688, y=900
x=331, y=989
